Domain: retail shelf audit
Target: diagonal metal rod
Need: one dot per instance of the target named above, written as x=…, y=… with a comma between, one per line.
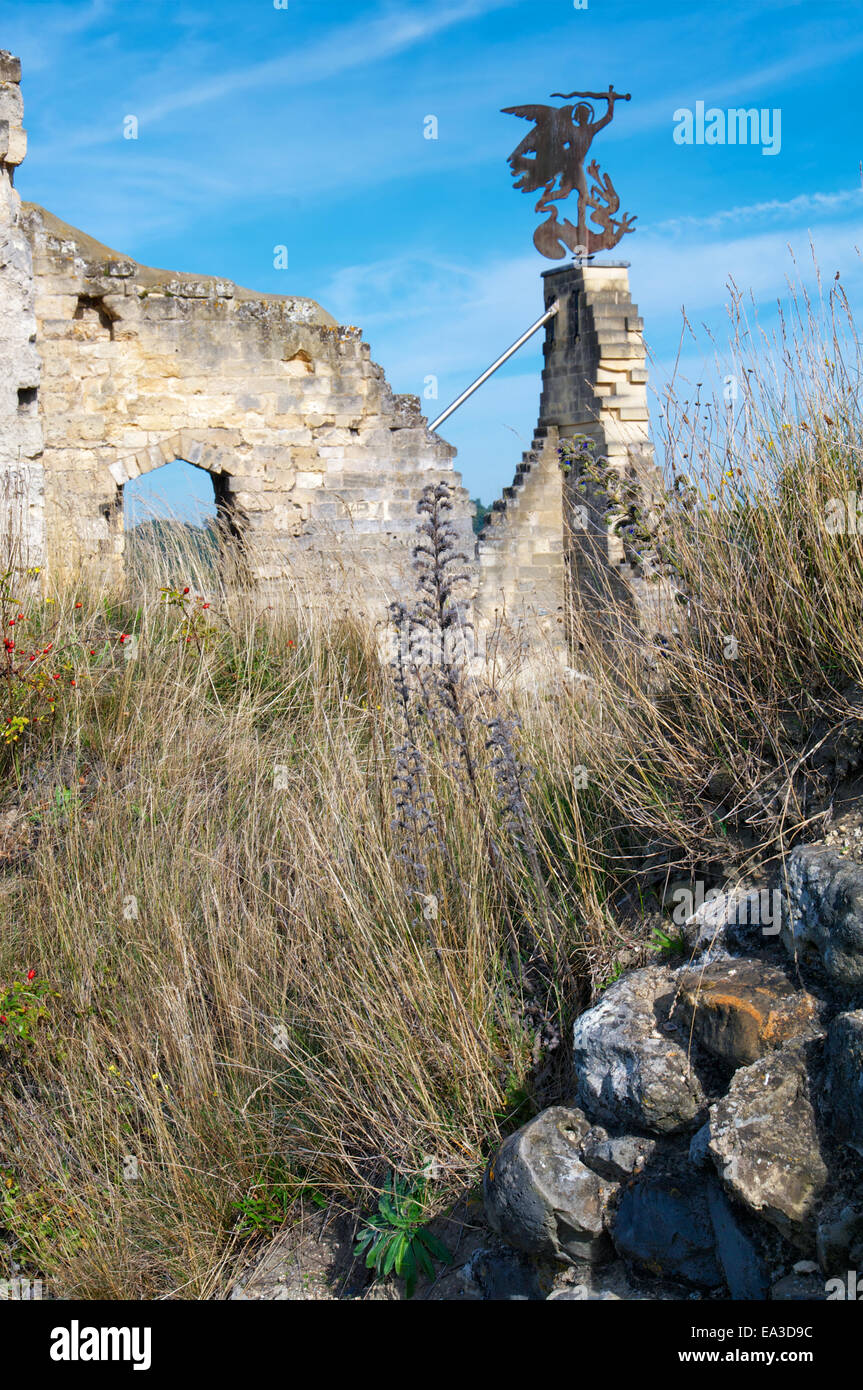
x=549, y=313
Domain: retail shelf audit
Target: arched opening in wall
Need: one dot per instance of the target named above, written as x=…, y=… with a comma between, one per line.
x=173, y=520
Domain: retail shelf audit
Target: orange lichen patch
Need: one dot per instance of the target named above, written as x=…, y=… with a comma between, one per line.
x=740, y=1011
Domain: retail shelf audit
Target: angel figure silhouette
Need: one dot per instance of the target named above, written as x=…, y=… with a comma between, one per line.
x=552, y=157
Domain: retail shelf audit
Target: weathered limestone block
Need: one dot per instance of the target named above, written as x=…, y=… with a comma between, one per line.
x=764, y=1143
x=739, y=1010
x=539, y=1195
x=628, y=1071
x=22, y=484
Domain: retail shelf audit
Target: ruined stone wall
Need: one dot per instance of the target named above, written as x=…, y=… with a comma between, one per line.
x=521, y=553
x=21, y=472
x=316, y=463
x=317, y=466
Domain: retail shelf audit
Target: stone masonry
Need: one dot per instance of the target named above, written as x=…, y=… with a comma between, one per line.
x=546, y=544
x=317, y=466
x=113, y=369
x=21, y=468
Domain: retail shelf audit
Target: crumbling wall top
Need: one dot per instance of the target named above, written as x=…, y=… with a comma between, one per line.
x=98, y=264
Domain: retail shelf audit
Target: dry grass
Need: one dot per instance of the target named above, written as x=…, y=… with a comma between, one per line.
x=248, y=999
x=719, y=743
x=266, y=978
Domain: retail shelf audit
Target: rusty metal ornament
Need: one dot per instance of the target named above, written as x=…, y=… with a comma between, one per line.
x=552, y=158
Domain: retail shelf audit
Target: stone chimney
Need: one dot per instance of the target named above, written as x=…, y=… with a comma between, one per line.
x=22, y=487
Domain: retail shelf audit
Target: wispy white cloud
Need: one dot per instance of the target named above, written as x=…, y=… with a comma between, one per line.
x=47, y=41
x=799, y=206
x=668, y=276
x=361, y=43
x=751, y=85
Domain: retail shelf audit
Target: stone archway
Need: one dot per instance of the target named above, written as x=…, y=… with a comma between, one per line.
x=213, y=450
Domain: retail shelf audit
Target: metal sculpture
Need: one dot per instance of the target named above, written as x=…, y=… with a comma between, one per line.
x=552, y=158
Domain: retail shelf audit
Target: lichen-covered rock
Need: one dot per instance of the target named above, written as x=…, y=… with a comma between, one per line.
x=765, y=1145
x=739, y=1010
x=629, y=1071
x=845, y=1078
x=539, y=1195
x=822, y=919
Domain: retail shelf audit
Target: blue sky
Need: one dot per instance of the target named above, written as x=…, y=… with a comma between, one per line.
x=303, y=126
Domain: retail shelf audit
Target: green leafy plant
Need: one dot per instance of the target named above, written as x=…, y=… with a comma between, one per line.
x=63, y=803
x=612, y=977
x=262, y=1210
x=21, y=1007
x=397, y=1239
x=667, y=944
x=267, y=1205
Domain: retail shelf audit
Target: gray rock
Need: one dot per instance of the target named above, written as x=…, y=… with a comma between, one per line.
x=822, y=919
x=764, y=1143
x=845, y=1078
x=502, y=1275
x=663, y=1226
x=739, y=919
x=742, y=1265
x=616, y=1159
x=629, y=1072
x=839, y=1233
x=699, y=1150
x=541, y=1198
x=610, y=1283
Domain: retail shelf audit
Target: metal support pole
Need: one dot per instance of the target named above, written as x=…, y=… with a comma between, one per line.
x=549, y=313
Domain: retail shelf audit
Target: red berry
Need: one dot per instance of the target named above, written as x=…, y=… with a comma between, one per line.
x=31, y=974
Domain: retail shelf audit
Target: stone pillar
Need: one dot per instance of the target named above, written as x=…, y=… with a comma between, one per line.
x=546, y=554
x=22, y=487
x=594, y=384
